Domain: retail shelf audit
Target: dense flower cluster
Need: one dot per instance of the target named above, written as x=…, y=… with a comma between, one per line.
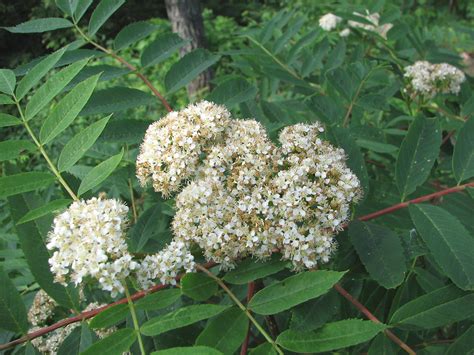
x=172, y=147
x=329, y=21
x=249, y=197
x=430, y=79
x=41, y=312
x=374, y=25
x=88, y=241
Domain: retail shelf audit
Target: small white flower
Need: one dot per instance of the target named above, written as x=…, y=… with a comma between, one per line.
x=329, y=21
x=345, y=32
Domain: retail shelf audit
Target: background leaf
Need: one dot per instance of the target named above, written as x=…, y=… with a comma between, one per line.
x=448, y=241
x=99, y=173
x=232, y=92
x=463, y=157
x=161, y=48
x=417, y=154
x=40, y=25
x=180, y=318
x=44, y=210
x=102, y=12
x=198, y=286
x=80, y=143
x=7, y=81
x=12, y=309
x=293, y=290
x=24, y=182
x=133, y=33
x=226, y=331
x=116, y=343
x=250, y=270
x=188, y=68
x=381, y=252
x=67, y=109
x=12, y=149
x=332, y=336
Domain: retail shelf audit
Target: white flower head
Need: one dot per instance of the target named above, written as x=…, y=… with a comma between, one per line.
x=345, y=32
x=88, y=241
x=329, y=21
x=172, y=147
x=430, y=79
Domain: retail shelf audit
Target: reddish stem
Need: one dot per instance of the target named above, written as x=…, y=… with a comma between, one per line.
x=373, y=318
x=138, y=295
x=245, y=345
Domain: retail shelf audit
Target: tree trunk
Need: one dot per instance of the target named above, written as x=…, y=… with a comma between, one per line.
x=186, y=21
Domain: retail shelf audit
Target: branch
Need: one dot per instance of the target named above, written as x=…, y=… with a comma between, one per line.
x=127, y=64
x=141, y=294
x=373, y=318
x=245, y=345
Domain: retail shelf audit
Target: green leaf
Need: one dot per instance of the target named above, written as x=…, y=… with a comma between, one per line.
x=417, y=154
x=133, y=33
x=52, y=87
x=251, y=269
x=463, y=344
x=381, y=252
x=161, y=48
x=102, y=12
x=82, y=6
x=159, y=300
x=355, y=159
x=226, y=331
x=7, y=81
x=24, y=182
x=263, y=349
x=67, y=6
x=35, y=74
x=377, y=147
x=8, y=120
x=129, y=131
x=188, y=68
x=12, y=149
x=67, y=109
x=191, y=350
x=110, y=316
x=326, y=109
x=42, y=211
x=316, y=312
x=232, y=92
x=382, y=345
x=99, y=173
x=198, y=286
x=435, y=309
x=152, y=224
x=116, y=99
x=80, y=143
x=294, y=290
x=336, y=56
x=79, y=340
x=332, y=336
x=12, y=309
x=40, y=25
x=448, y=241
x=36, y=254
x=116, y=343
x=5, y=100
x=463, y=157
x=181, y=317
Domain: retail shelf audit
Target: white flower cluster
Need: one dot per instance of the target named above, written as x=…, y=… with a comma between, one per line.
x=329, y=21
x=172, y=147
x=249, y=197
x=41, y=312
x=374, y=19
x=88, y=241
x=430, y=79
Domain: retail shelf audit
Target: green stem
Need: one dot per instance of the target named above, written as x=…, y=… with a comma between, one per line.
x=242, y=307
x=134, y=318
x=44, y=153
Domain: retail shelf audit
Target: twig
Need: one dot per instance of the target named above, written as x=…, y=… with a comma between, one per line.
x=141, y=294
x=127, y=64
x=245, y=345
x=242, y=307
x=373, y=318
